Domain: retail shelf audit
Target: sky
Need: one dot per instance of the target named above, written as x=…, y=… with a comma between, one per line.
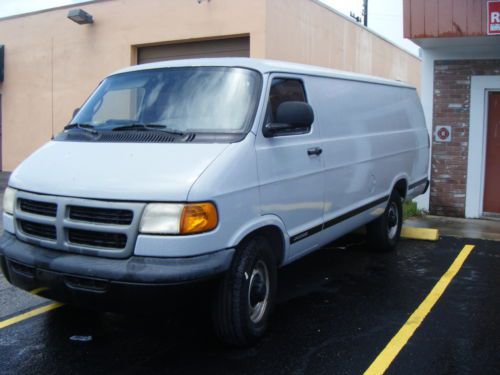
x=11, y=7
x=384, y=16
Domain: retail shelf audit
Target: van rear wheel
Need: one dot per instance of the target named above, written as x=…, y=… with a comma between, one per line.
x=384, y=232
x=245, y=297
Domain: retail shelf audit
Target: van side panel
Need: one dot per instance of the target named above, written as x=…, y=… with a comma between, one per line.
x=371, y=135
x=422, y=158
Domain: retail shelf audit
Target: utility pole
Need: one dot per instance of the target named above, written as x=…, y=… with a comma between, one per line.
x=365, y=13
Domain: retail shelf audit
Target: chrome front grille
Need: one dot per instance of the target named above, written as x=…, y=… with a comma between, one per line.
x=38, y=208
x=38, y=230
x=101, y=215
x=83, y=226
x=97, y=239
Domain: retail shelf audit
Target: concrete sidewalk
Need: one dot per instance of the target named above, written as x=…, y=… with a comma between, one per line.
x=456, y=227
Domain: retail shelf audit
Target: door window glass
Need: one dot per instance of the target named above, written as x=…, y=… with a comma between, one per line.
x=284, y=90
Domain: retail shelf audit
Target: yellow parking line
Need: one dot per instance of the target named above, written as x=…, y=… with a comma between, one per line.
x=414, y=233
x=385, y=358
x=38, y=290
x=29, y=314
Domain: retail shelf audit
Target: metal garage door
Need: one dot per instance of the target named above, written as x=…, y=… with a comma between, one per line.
x=234, y=47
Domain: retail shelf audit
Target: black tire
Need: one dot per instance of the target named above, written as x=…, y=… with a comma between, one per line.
x=238, y=318
x=384, y=232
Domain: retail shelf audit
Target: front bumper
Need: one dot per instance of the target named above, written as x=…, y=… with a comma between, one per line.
x=74, y=278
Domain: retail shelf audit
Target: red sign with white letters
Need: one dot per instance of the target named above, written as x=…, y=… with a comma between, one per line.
x=493, y=17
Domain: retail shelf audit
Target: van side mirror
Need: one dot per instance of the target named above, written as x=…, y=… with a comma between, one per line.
x=291, y=118
x=75, y=111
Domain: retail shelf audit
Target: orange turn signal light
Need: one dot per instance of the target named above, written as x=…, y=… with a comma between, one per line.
x=198, y=218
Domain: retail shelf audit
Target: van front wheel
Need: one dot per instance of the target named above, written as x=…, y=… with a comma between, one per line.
x=245, y=297
x=384, y=232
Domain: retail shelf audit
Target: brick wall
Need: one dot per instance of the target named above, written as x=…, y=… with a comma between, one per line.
x=452, y=80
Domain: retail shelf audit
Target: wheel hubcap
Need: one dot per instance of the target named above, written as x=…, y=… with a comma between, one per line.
x=258, y=292
x=392, y=220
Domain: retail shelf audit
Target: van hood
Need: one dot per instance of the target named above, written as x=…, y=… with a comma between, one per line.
x=118, y=171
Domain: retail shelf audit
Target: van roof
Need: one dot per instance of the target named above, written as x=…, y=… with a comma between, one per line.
x=265, y=66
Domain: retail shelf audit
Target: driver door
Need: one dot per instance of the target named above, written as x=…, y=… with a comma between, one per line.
x=291, y=177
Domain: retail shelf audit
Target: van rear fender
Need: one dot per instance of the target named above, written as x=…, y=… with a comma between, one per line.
x=271, y=227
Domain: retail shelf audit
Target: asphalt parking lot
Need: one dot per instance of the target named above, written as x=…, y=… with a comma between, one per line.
x=337, y=311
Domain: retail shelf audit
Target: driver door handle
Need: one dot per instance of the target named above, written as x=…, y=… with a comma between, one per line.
x=314, y=151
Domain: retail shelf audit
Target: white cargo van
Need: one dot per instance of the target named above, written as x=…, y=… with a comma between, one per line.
x=179, y=172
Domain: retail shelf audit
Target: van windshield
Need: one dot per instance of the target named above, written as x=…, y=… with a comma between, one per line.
x=183, y=100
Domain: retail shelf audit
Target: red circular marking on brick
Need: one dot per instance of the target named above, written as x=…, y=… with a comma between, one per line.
x=443, y=133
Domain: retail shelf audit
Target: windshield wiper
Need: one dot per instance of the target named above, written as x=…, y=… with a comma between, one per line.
x=89, y=128
x=150, y=127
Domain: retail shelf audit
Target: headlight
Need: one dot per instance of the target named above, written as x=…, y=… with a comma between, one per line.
x=160, y=218
x=169, y=218
x=9, y=200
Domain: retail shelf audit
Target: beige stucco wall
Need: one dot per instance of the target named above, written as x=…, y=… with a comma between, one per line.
x=309, y=32
x=52, y=64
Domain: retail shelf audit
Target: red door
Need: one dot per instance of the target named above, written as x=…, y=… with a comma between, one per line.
x=492, y=170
